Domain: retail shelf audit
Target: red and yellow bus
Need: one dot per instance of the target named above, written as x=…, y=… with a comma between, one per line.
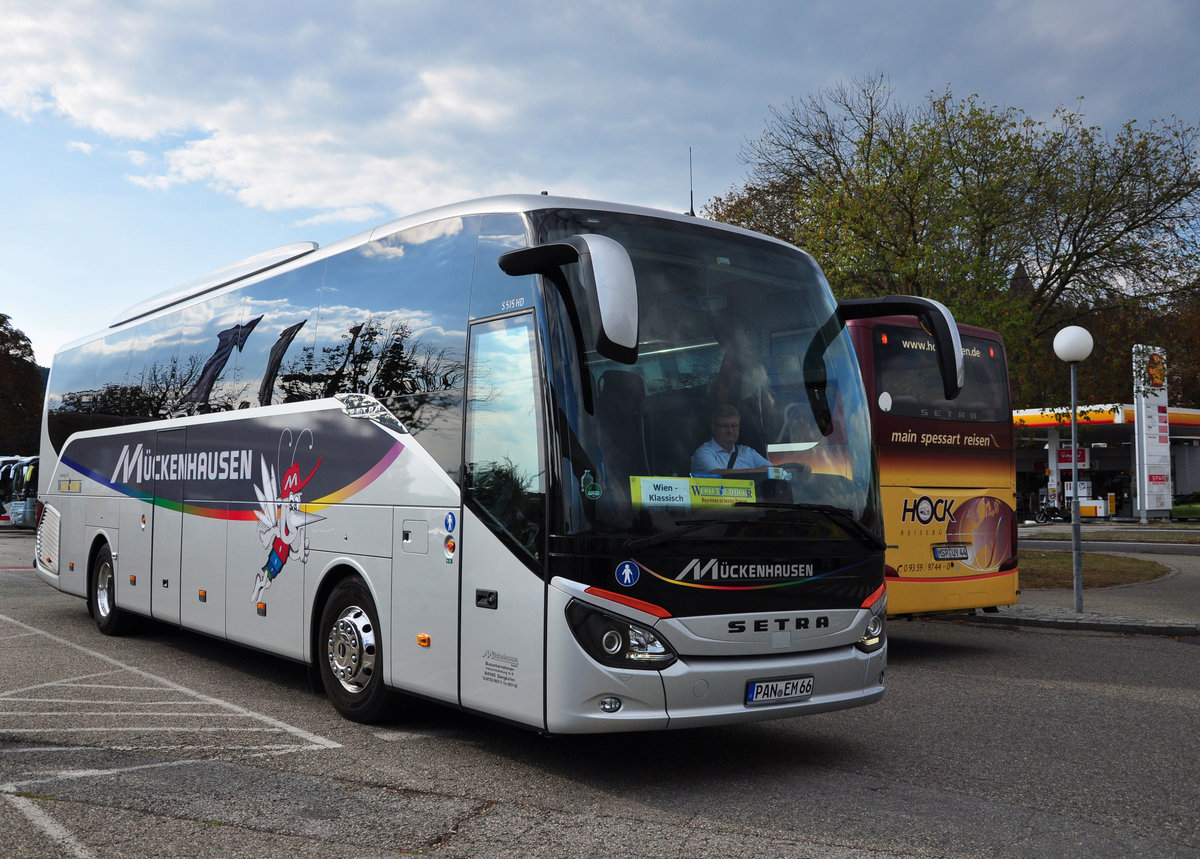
x=947, y=472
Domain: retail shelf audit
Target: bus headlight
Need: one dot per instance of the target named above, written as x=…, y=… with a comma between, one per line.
x=875, y=634
x=616, y=642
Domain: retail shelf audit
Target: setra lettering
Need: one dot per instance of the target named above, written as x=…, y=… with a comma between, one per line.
x=777, y=624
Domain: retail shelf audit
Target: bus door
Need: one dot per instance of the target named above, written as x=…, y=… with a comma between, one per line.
x=167, y=540
x=502, y=597
x=135, y=583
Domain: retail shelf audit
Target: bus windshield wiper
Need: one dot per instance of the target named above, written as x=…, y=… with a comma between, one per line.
x=686, y=526
x=840, y=516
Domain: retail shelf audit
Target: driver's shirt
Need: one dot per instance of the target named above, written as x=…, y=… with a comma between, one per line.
x=710, y=456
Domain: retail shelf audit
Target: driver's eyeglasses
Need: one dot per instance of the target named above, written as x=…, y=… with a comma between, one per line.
x=727, y=426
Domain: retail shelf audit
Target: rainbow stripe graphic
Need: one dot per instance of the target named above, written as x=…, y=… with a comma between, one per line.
x=219, y=510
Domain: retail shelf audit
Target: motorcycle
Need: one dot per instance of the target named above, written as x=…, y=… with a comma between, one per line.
x=1050, y=513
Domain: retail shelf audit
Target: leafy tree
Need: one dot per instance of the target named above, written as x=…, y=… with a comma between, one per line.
x=1015, y=224
x=21, y=392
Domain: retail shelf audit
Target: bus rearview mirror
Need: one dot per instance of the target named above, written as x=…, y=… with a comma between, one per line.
x=935, y=318
x=608, y=287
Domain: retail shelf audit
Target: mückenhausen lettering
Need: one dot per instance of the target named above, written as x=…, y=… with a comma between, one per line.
x=140, y=466
x=718, y=570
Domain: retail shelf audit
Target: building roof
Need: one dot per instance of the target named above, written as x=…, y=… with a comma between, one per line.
x=1119, y=418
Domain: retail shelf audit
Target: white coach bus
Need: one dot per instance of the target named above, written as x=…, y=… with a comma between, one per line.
x=451, y=458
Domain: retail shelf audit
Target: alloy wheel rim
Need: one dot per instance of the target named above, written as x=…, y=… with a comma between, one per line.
x=350, y=649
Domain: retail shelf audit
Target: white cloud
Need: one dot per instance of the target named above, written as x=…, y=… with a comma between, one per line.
x=349, y=110
x=151, y=183
x=231, y=123
x=474, y=96
x=348, y=215
x=376, y=109
x=81, y=147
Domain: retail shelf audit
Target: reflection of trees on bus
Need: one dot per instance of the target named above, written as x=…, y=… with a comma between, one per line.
x=200, y=394
x=384, y=360
x=417, y=381
x=510, y=498
x=155, y=395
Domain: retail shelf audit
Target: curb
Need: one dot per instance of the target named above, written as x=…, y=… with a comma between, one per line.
x=1063, y=618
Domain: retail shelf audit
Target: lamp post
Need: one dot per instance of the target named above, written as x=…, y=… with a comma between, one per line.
x=1073, y=344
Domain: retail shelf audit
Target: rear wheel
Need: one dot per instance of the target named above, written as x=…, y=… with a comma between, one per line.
x=102, y=596
x=350, y=653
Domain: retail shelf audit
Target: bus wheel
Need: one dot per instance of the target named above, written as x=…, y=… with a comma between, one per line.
x=102, y=595
x=351, y=653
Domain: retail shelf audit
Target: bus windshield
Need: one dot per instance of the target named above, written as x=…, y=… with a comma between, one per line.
x=909, y=385
x=724, y=321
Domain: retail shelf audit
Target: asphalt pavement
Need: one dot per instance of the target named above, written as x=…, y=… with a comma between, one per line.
x=1166, y=606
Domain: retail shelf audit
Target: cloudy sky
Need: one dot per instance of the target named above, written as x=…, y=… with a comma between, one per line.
x=146, y=142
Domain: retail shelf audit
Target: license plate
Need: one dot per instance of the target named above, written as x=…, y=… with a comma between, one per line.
x=950, y=553
x=778, y=691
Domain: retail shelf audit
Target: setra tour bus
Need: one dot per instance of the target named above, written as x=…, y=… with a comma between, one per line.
x=947, y=468
x=450, y=458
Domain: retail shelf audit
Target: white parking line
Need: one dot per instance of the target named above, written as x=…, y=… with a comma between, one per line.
x=182, y=709
x=55, y=831
x=131, y=707
x=51, y=827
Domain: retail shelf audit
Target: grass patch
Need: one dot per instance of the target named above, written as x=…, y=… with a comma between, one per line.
x=1053, y=570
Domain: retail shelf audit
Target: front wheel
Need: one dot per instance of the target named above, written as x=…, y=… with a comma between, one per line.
x=102, y=595
x=1040, y=517
x=350, y=653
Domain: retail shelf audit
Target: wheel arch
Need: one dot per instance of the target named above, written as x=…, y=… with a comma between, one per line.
x=100, y=540
x=337, y=572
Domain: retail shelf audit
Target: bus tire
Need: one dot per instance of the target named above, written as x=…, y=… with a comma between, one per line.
x=102, y=595
x=350, y=653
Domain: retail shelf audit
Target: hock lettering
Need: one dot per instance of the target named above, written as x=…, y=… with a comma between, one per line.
x=926, y=510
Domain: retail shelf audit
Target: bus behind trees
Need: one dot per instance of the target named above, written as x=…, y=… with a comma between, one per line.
x=947, y=468
x=449, y=458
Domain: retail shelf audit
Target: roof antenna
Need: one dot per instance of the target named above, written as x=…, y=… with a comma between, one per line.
x=691, y=187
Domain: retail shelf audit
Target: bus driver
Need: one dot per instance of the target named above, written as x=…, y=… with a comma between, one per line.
x=721, y=454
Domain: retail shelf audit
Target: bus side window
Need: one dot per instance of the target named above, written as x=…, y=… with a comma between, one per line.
x=68, y=402
x=276, y=364
x=493, y=291
x=392, y=310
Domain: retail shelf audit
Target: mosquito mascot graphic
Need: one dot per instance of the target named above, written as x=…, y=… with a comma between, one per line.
x=281, y=522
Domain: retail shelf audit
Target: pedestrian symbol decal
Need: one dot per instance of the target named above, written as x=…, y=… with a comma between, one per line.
x=628, y=573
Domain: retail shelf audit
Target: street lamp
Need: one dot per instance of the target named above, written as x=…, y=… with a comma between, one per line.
x=1073, y=344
